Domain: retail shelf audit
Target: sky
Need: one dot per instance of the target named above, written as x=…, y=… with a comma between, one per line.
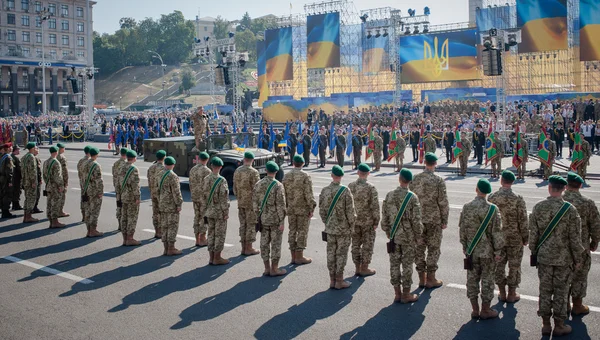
x=108, y=12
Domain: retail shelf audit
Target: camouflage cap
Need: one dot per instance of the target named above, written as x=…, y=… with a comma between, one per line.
x=170, y=161
x=53, y=149
x=204, y=155
x=216, y=161
x=248, y=155
x=406, y=174
x=161, y=154
x=362, y=167
x=508, y=175
x=337, y=171
x=298, y=159
x=30, y=145
x=484, y=186
x=573, y=177
x=555, y=179
x=272, y=167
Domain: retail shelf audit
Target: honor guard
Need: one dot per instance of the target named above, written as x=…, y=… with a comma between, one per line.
x=197, y=176
x=154, y=169
x=130, y=198
x=245, y=178
x=170, y=201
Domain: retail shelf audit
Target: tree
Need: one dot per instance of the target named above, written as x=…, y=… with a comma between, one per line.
x=260, y=25
x=246, y=41
x=221, y=28
x=245, y=23
x=188, y=80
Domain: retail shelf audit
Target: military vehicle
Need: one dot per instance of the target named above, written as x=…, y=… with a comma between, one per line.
x=228, y=147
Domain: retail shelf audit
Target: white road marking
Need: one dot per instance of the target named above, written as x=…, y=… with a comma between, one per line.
x=523, y=297
x=48, y=270
x=108, y=193
x=107, y=174
x=185, y=237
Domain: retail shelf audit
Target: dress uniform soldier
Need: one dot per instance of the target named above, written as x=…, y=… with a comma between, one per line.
x=54, y=187
x=401, y=148
x=401, y=222
x=367, y=220
x=571, y=137
x=448, y=143
x=197, y=176
x=340, y=147
x=415, y=136
x=82, y=179
x=336, y=209
x=153, y=171
x=116, y=172
x=551, y=158
x=515, y=229
x=357, y=146
x=268, y=201
x=93, y=190
x=480, y=230
x=378, y=151
x=301, y=204
x=6, y=179
x=306, y=144
x=431, y=190
x=17, y=178
x=245, y=178
x=587, y=154
x=590, y=235
x=130, y=196
x=216, y=196
x=429, y=143
x=65, y=176
x=169, y=201
x=322, y=148
x=463, y=159
x=31, y=181
x=555, y=244
x=479, y=142
x=559, y=137
x=293, y=143
x=523, y=168
x=497, y=161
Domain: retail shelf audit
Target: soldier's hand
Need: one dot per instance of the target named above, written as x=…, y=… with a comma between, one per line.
x=525, y=243
x=281, y=227
x=100, y=196
x=577, y=266
x=137, y=202
x=9, y=184
x=310, y=215
x=498, y=258
x=179, y=209
x=226, y=217
x=593, y=246
x=444, y=226
x=375, y=227
x=61, y=189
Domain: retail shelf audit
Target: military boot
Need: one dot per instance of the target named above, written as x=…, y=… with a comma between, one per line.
x=293, y=253
x=366, y=271
x=513, y=296
x=300, y=259
x=502, y=295
x=267, y=271
x=64, y=214
x=218, y=260
x=331, y=281
x=422, y=279
x=201, y=240
x=560, y=328
x=166, y=248
x=130, y=241
x=579, y=308
x=7, y=214
x=487, y=312
x=94, y=233
x=172, y=251
x=475, y=306
x=407, y=297
x=27, y=218
x=275, y=270
x=249, y=250
x=432, y=282
x=55, y=224
x=340, y=283
x=357, y=270
x=211, y=255
x=546, y=326
x=398, y=294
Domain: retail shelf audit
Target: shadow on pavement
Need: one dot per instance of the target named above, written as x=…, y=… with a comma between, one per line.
x=60, y=247
x=31, y=235
x=299, y=318
x=579, y=328
x=503, y=327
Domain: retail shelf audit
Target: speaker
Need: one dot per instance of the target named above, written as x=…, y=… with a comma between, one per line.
x=71, y=108
x=219, y=79
x=75, y=85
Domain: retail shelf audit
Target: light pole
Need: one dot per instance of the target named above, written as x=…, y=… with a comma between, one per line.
x=162, y=65
x=44, y=15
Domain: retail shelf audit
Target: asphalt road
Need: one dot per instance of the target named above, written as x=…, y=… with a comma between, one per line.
x=56, y=284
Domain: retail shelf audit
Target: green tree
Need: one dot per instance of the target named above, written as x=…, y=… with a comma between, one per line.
x=246, y=42
x=177, y=37
x=188, y=80
x=127, y=23
x=245, y=23
x=258, y=26
x=221, y=28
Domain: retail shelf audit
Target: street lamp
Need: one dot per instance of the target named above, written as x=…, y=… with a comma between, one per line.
x=44, y=15
x=162, y=64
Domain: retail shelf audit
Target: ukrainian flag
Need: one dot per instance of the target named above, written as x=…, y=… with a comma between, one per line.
x=589, y=24
x=263, y=87
x=375, y=53
x=279, y=61
x=323, y=40
x=543, y=25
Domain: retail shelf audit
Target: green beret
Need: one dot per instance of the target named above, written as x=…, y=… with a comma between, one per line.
x=87, y=149
x=161, y=154
x=573, y=177
x=53, y=149
x=123, y=151
x=170, y=161
x=272, y=167
x=484, y=186
x=555, y=179
x=508, y=175
x=131, y=154
x=216, y=161
x=60, y=145
x=30, y=145
x=430, y=157
x=204, y=155
x=298, y=159
x=248, y=155
x=337, y=171
x=406, y=174
x=94, y=151
x=362, y=167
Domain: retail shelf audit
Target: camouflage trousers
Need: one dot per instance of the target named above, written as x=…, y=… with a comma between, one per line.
x=30, y=199
x=580, y=278
x=377, y=159
x=482, y=272
x=92, y=211
x=513, y=256
x=63, y=199
x=432, y=240
x=582, y=170
x=496, y=166
x=463, y=162
x=129, y=217
x=199, y=226
x=217, y=229
x=399, y=159
x=522, y=169
x=555, y=282
x=547, y=171
x=247, y=225
x=298, y=231
x=337, y=253
x=401, y=266
x=363, y=239
x=169, y=225
x=270, y=243
x=155, y=214
x=53, y=209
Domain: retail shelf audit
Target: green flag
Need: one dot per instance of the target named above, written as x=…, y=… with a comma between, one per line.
x=577, y=158
x=393, y=147
x=457, y=148
x=544, y=148
x=490, y=146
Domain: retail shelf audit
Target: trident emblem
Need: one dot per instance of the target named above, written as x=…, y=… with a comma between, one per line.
x=436, y=62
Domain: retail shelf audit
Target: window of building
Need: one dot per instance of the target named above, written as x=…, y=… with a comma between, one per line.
x=38, y=22
x=52, y=9
x=38, y=52
x=38, y=38
x=10, y=4
x=10, y=19
x=53, y=54
x=25, y=20
x=26, y=51
x=205, y=28
x=12, y=51
x=25, y=5
x=80, y=54
x=65, y=25
x=80, y=12
x=12, y=35
x=65, y=40
x=65, y=101
x=80, y=41
x=65, y=54
x=52, y=23
x=80, y=27
x=26, y=37
x=53, y=39
x=64, y=10
x=38, y=6
x=25, y=79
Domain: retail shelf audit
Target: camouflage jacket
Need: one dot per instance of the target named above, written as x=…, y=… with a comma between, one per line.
x=29, y=171
x=218, y=208
x=366, y=203
x=129, y=189
x=96, y=184
x=343, y=216
x=471, y=217
x=153, y=170
x=244, y=181
x=274, y=210
x=378, y=144
x=563, y=247
x=169, y=195
x=116, y=172
x=431, y=190
x=410, y=228
x=299, y=195
x=52, y=174
x=429, y=144
x=6, y=170
x=81, y=171
x=514, y=216
x=63, y=166
x=197, y=176
x=590, y=219
x=467, y=146
x=401, y=144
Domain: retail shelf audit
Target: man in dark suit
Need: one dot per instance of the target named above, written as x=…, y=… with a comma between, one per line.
x=415, y=135
x=306, y=144
x=589, y=111
x=293, y=144
x=386, y=141
x=322, y=148
x=448, y=143
x=479, y=142
x=357, y=144
x=340, y=148
x=559, y=137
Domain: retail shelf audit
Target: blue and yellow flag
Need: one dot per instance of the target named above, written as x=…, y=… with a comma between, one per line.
x=543, y=25
x=279, y=61
x=589, y=25
x=323, y=40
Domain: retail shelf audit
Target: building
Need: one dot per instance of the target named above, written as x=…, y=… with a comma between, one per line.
x=65, y=42
x=205, y=27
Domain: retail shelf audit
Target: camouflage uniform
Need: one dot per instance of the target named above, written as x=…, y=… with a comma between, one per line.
x=82, y=180
x=590, y=232
x=197, y=176
x=31, y=181
x=556, y=256
x=65, y=176
x=399, y=158
x=52, y=174
x=273, y=216
x=407, y=235
x=129, y=191
x=587, y=154
x=464, y=156
x=497, y=161
x=216, y=211
x=490, y=245
x=339, y=228
x=244, y=180
x=153, y=170
x=429, y=144
x=378, y=151
x=300, y=204
x=431, y=190
x=523, y=168
x=516, y=233
x=117, y=182
x=552, y=156
x=367, y=217
x=95, y=191
x=169, y=200
x=6, y=180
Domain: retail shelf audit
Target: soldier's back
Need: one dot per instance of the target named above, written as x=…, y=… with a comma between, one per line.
x=588, y=212
x=244, y=179
x=298, y=192
x=431, y=190
x=367, y=201
x=197, y=176
x=513, y=211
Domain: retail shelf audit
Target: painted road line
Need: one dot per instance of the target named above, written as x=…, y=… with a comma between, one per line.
x=48, y=270
x=107, y=174
x=107, y=193
x=185, y=237
x=523, y=297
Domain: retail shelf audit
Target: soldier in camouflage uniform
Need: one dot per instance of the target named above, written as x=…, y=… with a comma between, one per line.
x=17, y=179
x=406, y=237
x=367, y=220
x=52, y=173
x=200, y=122
x=523, y=168
x=153, y=170
x=485, y=251
x=590, y=235
x=378, y=151
x=216, y=196
x=587, y=154
x=429, y=143
x=463, y=158
x=83, y=178
x=551, y=157
x=197, y=175
x=431, y=190
x=117, y=180
x=401, y=146
x=516, y=233
x=94, y=192
x=556, y=256
x=271, y=209
x=339, y=218
x=245, y=178
x=31, y=181
x=6, y=179
x=170, y=201
x=65, y=176
x=301, y=204
x=497, y=161
x=130, y=195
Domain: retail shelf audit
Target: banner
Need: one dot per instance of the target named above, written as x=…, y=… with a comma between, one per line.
x=263, y=87
x=445, y=56
x=494, y=17
x=279, y=58
x=375, y=52
x=589, y=25
x=323, y=40
x=543, y=25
